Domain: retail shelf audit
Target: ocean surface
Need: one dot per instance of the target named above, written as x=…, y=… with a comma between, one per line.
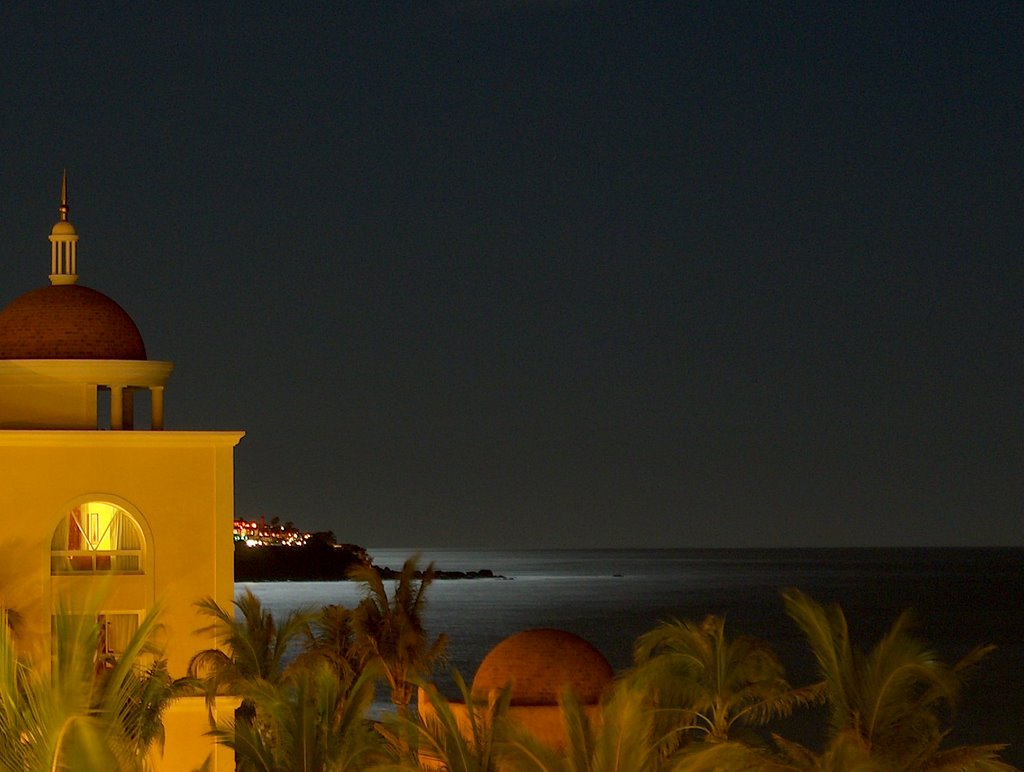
x=960, y=597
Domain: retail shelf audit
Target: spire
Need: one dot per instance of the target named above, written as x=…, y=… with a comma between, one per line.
x=64, y=197
x=63, y=243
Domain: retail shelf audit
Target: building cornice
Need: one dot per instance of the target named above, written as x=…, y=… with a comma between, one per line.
x=91, y=438
x=128, y=372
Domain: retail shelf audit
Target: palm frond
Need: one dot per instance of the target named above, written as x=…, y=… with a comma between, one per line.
x=304, y=721
x=390, y=630
x=968, y=758
x=891, y=702
x=625, y=742
x=828, y=635
x=704, y=682
x=579, y=735
x=521, y=751
x=90, y=713
x=726, y=756
x=439, y=737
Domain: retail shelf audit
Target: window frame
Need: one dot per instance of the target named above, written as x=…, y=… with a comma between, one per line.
x=92, y=560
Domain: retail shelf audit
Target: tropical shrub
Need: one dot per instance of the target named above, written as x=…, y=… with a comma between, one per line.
x=86, y=712
x=888, y=706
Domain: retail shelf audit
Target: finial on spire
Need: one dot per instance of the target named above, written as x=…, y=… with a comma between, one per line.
x=64, y=197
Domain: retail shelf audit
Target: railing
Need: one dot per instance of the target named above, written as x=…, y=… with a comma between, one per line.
x=96, y=561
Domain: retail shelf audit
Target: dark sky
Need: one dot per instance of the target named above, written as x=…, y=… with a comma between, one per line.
x=554, y=273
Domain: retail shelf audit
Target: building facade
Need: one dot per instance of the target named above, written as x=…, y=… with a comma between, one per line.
x=105, y=509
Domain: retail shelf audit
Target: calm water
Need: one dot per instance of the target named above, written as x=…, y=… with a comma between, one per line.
x=960, y=597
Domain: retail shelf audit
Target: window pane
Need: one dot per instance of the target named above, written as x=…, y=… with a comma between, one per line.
x=96, y=537
x=116, y=631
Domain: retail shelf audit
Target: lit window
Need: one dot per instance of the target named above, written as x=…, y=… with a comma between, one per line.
x=96, y=537
x=116, y=631
x=113, y=631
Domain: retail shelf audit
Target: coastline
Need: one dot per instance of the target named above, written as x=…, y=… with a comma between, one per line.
x=322, y=562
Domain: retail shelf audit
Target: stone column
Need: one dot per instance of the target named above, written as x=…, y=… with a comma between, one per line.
x=116, y=407
x=156, y=414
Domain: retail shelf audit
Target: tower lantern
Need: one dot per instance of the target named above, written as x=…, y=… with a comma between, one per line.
x=63, y=243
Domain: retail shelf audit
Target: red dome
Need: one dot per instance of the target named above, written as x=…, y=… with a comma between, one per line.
x=68, y=321
x=540, y=664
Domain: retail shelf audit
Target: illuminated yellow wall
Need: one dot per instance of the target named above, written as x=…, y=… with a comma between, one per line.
x=69, y=405
x=178, y=485
x=62, y=393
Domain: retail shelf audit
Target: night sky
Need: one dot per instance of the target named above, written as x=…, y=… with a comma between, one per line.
x=555, y=274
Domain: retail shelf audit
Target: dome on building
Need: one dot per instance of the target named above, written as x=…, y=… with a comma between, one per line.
x=540, y=664
x=68, y=321
x=63, y=228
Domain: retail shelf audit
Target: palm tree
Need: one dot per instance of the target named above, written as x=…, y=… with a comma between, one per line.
x=135, y=689
x=87, y=714
x=437, y=738
x=703, y=684
x=256, y=650
x=623, y=740
x=891, y=702
x=306, y=722
x=330, y=637
x=256, y=644
x=389, y=631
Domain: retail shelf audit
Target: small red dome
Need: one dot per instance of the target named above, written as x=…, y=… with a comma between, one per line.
x=68, y=321
x=540, y=664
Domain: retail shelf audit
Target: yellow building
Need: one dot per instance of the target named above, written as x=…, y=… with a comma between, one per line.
x=96, y=495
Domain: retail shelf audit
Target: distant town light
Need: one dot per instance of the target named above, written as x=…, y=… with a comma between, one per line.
x=262, y=534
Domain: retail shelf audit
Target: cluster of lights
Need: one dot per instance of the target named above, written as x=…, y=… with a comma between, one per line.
x=263, y=534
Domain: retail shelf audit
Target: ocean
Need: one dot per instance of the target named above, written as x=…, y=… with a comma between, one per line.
x=960, y=597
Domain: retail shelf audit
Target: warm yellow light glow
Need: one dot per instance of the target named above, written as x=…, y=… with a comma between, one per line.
x=96, y=522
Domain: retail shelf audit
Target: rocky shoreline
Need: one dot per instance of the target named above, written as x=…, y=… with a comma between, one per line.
x=483, y=573
x=320, y=561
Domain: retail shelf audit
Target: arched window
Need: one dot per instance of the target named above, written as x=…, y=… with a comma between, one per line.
x=97, y=537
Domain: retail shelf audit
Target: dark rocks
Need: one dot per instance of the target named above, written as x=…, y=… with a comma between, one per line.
x=484, y=573
x=314, y=562
x=319, y=561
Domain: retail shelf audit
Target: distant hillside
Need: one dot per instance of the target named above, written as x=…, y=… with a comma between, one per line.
x=320, y=560
x=316, y=561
